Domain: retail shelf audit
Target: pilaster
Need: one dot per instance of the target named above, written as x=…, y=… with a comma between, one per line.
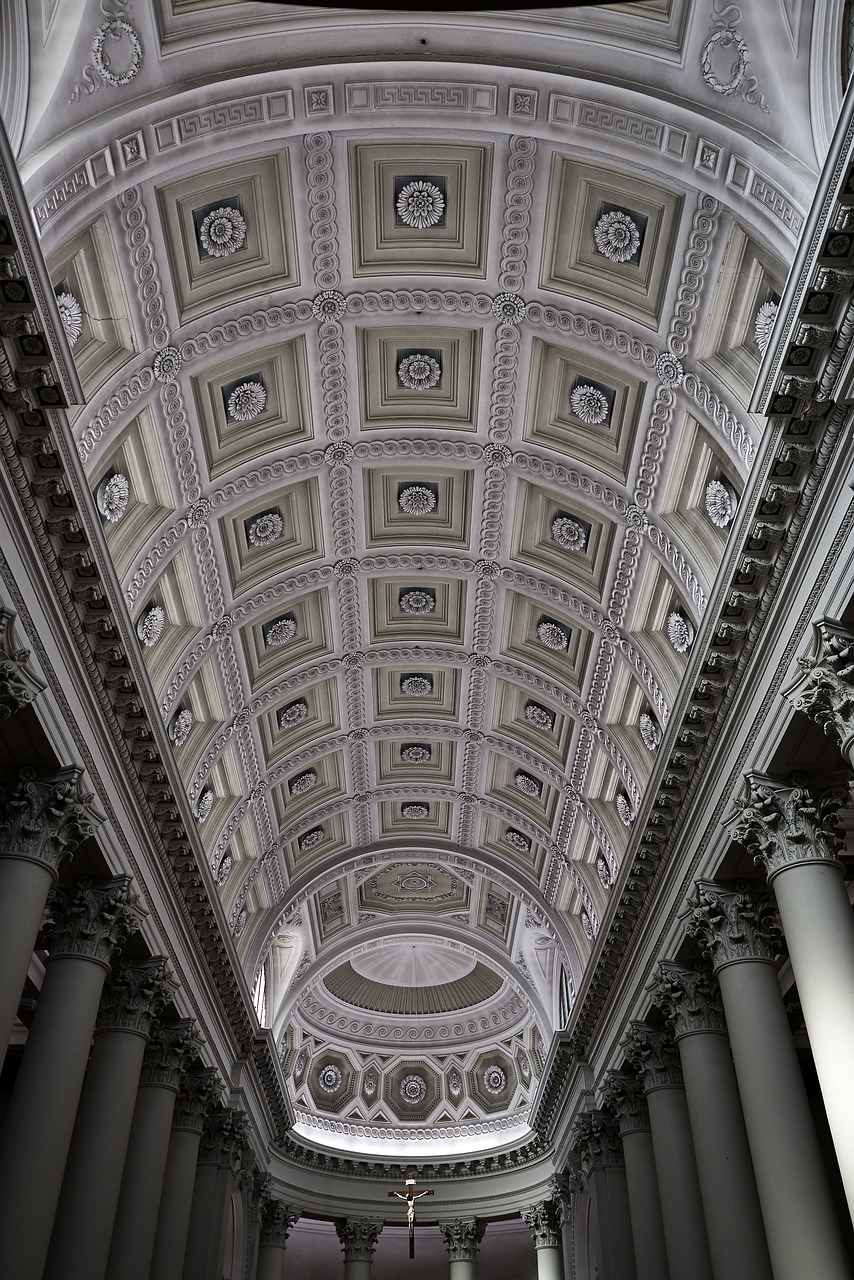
x=690, y=999
x=732, y=925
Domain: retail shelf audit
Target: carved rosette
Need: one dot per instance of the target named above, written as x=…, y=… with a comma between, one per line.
x=824, y=690
x=462, y=1238
x=654, y=1057
x=277, y=1221
x=596, y=1139
x=171, y=1047
x=732, y=924
x=358, y=1238
x=544, y=1220
x=623, y=1094
x=134, y=995
x=784, y=824
x=199, y=1095
x=18, y=688
x=690, y=999
x=93, y=918
x=224, y=1139
x=44, y=819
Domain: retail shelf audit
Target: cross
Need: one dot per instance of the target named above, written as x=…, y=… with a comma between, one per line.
x=410, y=1196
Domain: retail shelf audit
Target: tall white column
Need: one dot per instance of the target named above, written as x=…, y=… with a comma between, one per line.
x=624, y=1096
x=737, y=930
x=544, y=1220
x=597, y=1144
x=654, y=1057
x=277, y=1219
x=794, y=831
x=358, y=1238
x=220, y=1157
x=92, y=920
x=462, y=1237
x=690, y=1001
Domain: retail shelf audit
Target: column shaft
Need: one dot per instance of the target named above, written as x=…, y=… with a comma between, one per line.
x=135, y=1225
x=271, y=1262
x=24, y=886
x=206, y=1234
x=176, y=1199
x=40, y=1120
x=644, y=1206
x=727, y=1183
x=461, y=1269
x=800, y=1222
x=613, y=1223
x=549, y=1262
x=819, y=928
x=360, y=1269
x=676, y=1169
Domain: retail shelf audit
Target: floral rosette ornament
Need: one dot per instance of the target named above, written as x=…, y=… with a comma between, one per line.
x=303, y=783
x=246, y=402
x=416, y=754
x=204, y=805
x=420, y=204
x=527, y=785
x=330, y=1078
x=416, y=686
x=649, y=730
x=624, y=810
x=151, y=624
x=280, y=632
x=589, y=404
x=763, y=325
x=223, y=232
x=112, y=497
x=539, y=717
x=617, y=236
x=311, y=839
x=416, y=500
x=415, y=812
x=71, y=316
x=509, y=308
x=680, y=631
x=413, y=1089
x=266, y=529
x=721, y=502
x=167, y=364
x=419, y=372
x=568, y=533
x=293, y=714
x=223, y=871
x=181, y=726
x=329, y=305
x=417, y=602
x=603, y=871
x=517, y=840
x=494, y=1079
x=552, y=635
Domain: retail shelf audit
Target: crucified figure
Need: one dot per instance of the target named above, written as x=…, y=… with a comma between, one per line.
x=410, y=1195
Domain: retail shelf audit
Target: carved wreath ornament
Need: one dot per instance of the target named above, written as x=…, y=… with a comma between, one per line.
x=116, y=29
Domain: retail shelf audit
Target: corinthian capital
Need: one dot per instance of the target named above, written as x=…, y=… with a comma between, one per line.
x=690, y=999
x=93, y=918
x=200, y=1094
x=654, y=1056
x=824, y=690
x=596, y=1139
x=462, y=1238
x=18, y=688
x=44, y=818
x=732, y=924
x=786, y=823
x=134, y=994
x=171, y=1047
x=544, y=1222
x=623, y=1094
x=224, y=1139
x=358, y=1238
x=277, y=1221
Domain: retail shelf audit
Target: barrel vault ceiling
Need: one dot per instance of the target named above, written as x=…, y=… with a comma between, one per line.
x=415, y=419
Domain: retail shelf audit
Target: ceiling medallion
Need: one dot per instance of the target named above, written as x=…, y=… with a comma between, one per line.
x=293, y=713
x=617, y=236
x=603, y=871
x=223, y=232
x=624, y=809
x=494, y=1079
x=204, y=805
x=527, y=785
x=180, y=726
x=370, y=1085
x=303, y=783
x=509, y=308
x=330, y=1078
x=266, y=529
x=413, y=1089
x=420, y=204
x=552, y=635
x=587, y=926
x=329, y=305
x=345, y=568
x=455, y=1084
x=246, y=402
x=497, y=455
x=71, y=316
x=416, y=686
x=419, y=372
x=669, y=369
x=415, y=882
x=199, y=512
x=167, y=364
x=416, y=500
x=680, y=631
x=151, y=624
x=539, y=717
x=416, y=754
x=568, y=533
x=517, y=840
x=111, y=497
x=222, y=627
x=416, y=602
x=589, y=404
x=280, y=632
x=763, y=325
x=415, y=812
x=311, y=839
x=649, y=730
x=223, y=871
x=116, y=28
x=338, y=454
x=721, y=502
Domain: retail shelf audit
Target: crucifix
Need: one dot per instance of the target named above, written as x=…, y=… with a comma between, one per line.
x=410, y=1196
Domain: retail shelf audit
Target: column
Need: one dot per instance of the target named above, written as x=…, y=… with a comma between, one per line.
x=544, y=1220
x=690, y=1001
x=358, y=1238
x=199, y=1095
x=220, y=1158
x=623, y=1095
x=597, y=1142
x=167, y=1053
x=277, y=1219
x=257, y=1187
x=80, y=1243
x=737, y=931
x=42, y=820
x=654, y=1057
x=92, y=920
x=462, y=1239
x=794, y=831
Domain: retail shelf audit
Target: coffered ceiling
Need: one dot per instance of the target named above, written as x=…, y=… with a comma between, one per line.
x=416, y=422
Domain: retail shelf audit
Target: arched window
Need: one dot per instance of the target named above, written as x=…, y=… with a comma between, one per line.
x=567, y=998
x=259, y=995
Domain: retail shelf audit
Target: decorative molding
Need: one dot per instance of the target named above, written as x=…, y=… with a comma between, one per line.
x=518, y=200
x=134, y=994
x=623, y=1095
x=321, y=210
x=138, y=239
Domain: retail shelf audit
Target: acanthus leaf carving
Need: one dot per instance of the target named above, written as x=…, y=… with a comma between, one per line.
x=689, y=999
x=786, y=824
x=732, y=924
x=462, y=1237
